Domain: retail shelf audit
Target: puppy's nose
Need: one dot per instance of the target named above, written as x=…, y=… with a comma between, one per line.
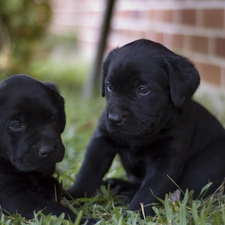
x=115, y=118
x=46, y=151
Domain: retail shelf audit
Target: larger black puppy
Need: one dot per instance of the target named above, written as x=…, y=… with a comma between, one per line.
x=154, y=126
x=32, y=118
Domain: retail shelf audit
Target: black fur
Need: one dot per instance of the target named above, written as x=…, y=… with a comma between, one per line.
x=32, y=119
x=159, y=132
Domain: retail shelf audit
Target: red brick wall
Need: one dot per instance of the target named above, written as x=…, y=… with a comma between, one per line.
x=80, y=17
x=193, y=28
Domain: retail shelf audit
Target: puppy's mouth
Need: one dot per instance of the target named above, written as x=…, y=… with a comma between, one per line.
x=33, y=162
x=24, y=167
x=132, y=128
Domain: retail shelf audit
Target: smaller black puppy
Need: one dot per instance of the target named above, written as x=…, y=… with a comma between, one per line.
x=156, y=128
x=32, y=118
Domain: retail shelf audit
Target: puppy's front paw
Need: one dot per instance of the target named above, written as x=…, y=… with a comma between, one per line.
x=119, y=186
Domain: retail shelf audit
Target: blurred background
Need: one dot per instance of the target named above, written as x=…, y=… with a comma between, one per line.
x=60, y=38
x=65, y=41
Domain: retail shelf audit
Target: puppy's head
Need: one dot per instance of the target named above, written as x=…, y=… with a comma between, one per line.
x=145, y=85
x=32, y=118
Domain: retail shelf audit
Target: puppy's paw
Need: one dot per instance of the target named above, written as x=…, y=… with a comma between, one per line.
x=119, y=186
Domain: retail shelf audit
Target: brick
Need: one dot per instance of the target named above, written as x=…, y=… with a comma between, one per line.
x=159, y=37
x=187, y=16
x=209, y=73
x=223, y=79
x=163, y=15
x=213, y=18
x=149, y=35
x=136, y=14
x=155, y=36
x=173, y=41
x=199, y=44
x=177, y=41
x=219, y=47
x=198, y=66
x=138, y=34
x=122, y=13
x=150, y=15
x=129, y=14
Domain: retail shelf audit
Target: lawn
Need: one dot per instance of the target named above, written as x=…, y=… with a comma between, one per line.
x=82, y=118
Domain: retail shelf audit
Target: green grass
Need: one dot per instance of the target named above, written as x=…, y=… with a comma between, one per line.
x=82, y=118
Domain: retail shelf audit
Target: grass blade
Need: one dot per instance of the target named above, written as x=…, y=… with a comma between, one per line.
x=195, y=213
x=169, y=214
x=182, y=214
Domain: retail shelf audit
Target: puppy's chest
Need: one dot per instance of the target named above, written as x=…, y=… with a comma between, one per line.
x=48, y=186
x=134, y=161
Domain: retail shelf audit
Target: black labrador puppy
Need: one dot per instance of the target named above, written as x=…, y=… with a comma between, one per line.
x=159, y=132
x=32, y=118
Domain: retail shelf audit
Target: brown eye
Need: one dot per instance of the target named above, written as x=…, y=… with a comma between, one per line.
x=109, y=87
x=17, y=125
x=143, y=90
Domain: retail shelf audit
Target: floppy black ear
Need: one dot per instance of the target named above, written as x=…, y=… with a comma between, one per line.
x=52, y=86
x=105, y=68
x=60, y=105
x=104, y=73
x=183, y=79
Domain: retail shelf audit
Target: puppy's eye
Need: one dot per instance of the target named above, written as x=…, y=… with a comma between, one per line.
x=143, y=90
x=17, y=125
x=54, y=119
x=109, y=87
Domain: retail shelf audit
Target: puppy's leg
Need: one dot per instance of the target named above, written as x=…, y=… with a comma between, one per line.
x=156, y=183
x=119, y=186
x=97, y=161
x=123, y=187
x=50, y=189
x=207, y=166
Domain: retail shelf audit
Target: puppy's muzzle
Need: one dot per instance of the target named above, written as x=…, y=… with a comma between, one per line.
x=46, y=151
x=116, y=116
x=115, y=119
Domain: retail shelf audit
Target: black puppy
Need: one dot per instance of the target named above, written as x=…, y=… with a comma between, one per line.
x=151, y=122
x=32, y=118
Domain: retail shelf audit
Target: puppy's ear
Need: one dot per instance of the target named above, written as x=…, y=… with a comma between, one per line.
x=106, y=67
x=183, y=79
x=60, y=105
x=52, y=86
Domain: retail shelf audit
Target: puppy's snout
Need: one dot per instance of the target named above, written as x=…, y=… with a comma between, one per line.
x=116, y=115
x=46, y=151
x=115, y=118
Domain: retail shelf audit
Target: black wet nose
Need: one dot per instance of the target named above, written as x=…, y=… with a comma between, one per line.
x=46, y=151
x=115, y=118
